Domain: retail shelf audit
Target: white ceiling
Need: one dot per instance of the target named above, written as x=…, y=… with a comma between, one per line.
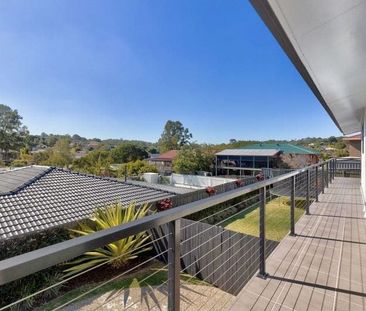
x=329, y=36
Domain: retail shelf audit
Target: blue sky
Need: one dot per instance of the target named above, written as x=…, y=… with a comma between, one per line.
x=120, y=69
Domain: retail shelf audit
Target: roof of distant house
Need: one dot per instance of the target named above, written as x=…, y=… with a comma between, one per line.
x=80, y=154
x=166, y=156
x=38, y=197
x=285, y=148
x=356, y=137
x=249, y=152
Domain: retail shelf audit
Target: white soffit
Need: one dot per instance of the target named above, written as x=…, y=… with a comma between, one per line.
x=248, y=152
x=329, y=37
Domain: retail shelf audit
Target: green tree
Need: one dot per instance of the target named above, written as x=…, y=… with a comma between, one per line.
x=192, y=159
x=60, y=153
x=340, y=145
x=128, y=152
x=136, y=168
x=332, y=139
x=341, y=153
x=96, y=162
x=12, y=133
x=25, y=158
x=174, y=136
x=41, y=157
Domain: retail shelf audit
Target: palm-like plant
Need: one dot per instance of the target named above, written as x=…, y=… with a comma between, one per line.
x=118, y=252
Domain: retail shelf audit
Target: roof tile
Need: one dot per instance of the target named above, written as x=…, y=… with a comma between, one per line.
x=71, y=196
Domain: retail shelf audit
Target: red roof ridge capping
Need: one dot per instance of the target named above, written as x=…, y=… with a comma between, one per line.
x=353, y=137
x=166, y=156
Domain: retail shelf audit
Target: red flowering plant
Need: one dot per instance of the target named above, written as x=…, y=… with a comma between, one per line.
x=239, y=182
x=260, y=176
x=210, y=191
x=164, y=204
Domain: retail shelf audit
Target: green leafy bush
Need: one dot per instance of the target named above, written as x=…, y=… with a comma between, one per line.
x=136, y=168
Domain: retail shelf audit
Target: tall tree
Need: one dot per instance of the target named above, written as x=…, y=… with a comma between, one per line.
x=193, y=158
x=128, y=152
x=12, y=132
x=61, y=154
x=174, y=136
x=96, y=162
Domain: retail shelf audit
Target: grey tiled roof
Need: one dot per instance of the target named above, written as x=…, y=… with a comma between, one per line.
x=11, y=181
x=58, y=197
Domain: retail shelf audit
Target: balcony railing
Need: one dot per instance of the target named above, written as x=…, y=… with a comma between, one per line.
x=201, y=253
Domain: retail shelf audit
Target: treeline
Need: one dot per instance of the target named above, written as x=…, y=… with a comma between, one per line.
x=97, y=162
x=111, y=157
x=115, y=157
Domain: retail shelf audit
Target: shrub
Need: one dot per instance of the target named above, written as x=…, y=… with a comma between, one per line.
x=210, y=191
x=19, y=163
x=119, y=252
x=164, y=204
x=136, y=168
x=23, y=287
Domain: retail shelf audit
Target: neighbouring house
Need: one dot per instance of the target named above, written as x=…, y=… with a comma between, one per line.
x=353, y=143
x=164, y=161
x=244, y=161
x=80, y=154
x=92, y=145
x=252, y=158
x=36, y=198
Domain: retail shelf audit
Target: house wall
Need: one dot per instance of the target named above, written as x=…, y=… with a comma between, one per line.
x=363, y=158
x=354, y=148
x=291, y=160
x=198, y=181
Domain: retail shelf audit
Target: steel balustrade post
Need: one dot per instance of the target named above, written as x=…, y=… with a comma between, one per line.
x=262, y=233
x=317, y=184
x=327, y=175
x=292, y=209
x=335, y=168
x=307, y=191
x=330, y=171
x=323, y=178
x=174, y=266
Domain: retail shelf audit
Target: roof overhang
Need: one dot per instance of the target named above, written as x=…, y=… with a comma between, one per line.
x=249, y=152
x=326, y=41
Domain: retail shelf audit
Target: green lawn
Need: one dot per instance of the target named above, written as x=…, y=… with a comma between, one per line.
x=277, y=219
x=139, y=279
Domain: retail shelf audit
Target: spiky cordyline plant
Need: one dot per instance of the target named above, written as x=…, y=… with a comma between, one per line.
x=118, y=252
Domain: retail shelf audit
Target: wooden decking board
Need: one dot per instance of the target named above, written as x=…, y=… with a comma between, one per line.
x=323, y=267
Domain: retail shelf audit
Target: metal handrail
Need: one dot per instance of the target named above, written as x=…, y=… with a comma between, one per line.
x=23, y=265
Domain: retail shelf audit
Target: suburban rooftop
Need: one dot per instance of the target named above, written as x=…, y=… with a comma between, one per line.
x=40, y=197
x=285, y=148
x=249, y=152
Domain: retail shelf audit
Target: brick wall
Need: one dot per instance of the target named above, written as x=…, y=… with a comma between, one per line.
x=292, y=160
x=354, y=148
